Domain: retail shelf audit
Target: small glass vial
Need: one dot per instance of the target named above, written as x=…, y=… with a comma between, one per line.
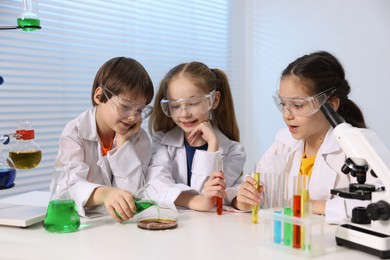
x=7, y=168
x=25, y=153
x=28, y=20
x=61, y=215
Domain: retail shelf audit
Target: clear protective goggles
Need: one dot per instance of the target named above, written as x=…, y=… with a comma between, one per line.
x=193, y=106
x=302, y=107
x=127, y=108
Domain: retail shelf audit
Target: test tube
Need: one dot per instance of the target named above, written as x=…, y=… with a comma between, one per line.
x=219, y=200
x=287, y=227
x=305, y=211
x=278, y=228
x=297, y=212
x=255, y=209
x=278, y=205
x=287, y=211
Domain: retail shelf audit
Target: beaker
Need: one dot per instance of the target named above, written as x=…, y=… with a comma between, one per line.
x=28, y=20
x=61, y=215
x=7, y=168
x=25, y=153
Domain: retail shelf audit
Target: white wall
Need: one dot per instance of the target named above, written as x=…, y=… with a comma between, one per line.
x=356, y=31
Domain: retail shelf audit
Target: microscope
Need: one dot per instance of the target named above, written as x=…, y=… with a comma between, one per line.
x=369, y=229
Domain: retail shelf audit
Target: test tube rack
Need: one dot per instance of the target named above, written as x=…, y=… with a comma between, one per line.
x=311, y=229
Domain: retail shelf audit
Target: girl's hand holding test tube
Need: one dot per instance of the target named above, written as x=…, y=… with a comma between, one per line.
x=248, y=195
x=214, y=190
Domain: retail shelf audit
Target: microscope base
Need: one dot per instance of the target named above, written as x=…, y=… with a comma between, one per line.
x=364, y=239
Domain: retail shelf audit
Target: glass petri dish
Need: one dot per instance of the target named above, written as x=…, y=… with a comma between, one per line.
x=155, y=223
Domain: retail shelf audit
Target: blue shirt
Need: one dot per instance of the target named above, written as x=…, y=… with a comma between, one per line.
x=190, y=151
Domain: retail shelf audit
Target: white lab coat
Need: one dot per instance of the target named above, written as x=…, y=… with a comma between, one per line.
x=167, y=172
x=80, y=150
x=326, y=173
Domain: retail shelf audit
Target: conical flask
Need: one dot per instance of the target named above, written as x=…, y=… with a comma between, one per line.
x=61, y=215
x=142, y=199
x=28, y=20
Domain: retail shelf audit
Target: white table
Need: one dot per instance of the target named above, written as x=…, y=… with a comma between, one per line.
x=199, y=235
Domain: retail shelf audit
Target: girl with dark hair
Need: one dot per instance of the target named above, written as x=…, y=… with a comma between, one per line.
x=307, y=145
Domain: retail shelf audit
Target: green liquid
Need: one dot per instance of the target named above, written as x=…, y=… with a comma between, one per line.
x=141, y=206
x=22, y=22
x=61, y=217
x=287, y=228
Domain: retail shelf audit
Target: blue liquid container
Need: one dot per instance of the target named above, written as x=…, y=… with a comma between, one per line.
x=278, y=229
x=7, y=178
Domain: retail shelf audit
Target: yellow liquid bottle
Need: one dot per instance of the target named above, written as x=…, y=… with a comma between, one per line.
x=25, y=153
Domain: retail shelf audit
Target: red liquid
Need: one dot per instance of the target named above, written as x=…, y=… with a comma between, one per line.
x=297, y=228
x=219, y=206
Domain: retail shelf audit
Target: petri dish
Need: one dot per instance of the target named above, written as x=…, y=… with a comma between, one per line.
x=154, y=223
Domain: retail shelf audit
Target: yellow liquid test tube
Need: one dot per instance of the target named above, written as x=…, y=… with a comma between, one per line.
x=255, y=209
x=304, y=206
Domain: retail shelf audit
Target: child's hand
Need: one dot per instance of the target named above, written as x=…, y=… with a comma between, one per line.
x=133, y=130
x=214, y=187
x=318, y=206
x=117, y=201
x=206, y=132
x=247, y=195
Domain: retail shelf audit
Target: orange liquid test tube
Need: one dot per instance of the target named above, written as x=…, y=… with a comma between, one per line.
x=297, y=212
x=297, y=228
x=219, y=200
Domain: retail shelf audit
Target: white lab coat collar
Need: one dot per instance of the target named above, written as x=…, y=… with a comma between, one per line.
x=330, y=143
x=89, y=125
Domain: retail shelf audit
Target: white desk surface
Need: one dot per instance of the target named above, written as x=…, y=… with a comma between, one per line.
x=199, y=235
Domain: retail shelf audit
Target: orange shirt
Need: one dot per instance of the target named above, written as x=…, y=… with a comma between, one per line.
x=106, y=149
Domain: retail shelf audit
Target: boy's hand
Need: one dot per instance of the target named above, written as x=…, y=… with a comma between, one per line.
x=116, y=201
x=133, y=131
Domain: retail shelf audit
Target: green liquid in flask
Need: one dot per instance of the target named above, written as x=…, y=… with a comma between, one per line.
x=61, y=217
x=141, y=206
x=22, y=22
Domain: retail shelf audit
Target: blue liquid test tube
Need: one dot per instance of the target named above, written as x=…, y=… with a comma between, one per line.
x=277, y=228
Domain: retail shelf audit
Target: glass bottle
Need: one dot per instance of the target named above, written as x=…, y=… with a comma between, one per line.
x=7, y=168
x=25, y=153
x=28, y=20
x=61, y=215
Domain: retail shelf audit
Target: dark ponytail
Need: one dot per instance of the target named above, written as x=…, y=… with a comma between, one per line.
x=351, y=113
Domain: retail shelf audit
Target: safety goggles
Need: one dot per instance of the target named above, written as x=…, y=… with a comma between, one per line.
x=193, y=106
x=302, y=107
x=127, y=108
